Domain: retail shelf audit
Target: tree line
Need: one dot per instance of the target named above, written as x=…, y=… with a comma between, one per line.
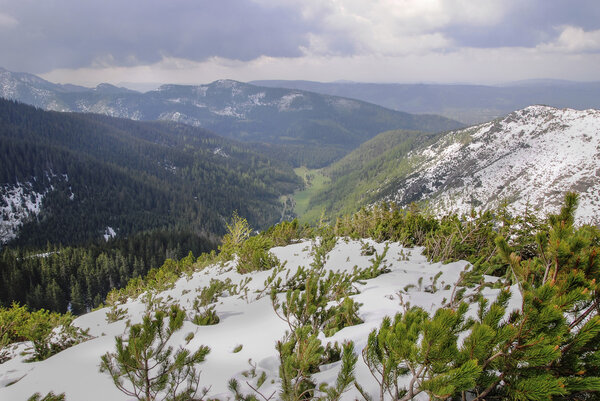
x=62, y=278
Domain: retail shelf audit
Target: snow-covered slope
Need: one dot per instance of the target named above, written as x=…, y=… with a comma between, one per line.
x=249, y=321
x=31, y=89
x=529, y=158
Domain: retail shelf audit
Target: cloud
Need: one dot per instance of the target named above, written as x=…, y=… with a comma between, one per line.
x=526, y=23
x=574, y=39
x=75, y=33
x=7, y=21
x=167, y=41
x=390, y=27
x=468, y=65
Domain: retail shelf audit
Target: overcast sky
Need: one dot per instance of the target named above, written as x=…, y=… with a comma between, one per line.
x=198, y=41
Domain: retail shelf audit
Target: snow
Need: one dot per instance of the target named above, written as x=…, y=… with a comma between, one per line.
x=20, y=202
x=228, y=111
x=109, y=233
x=528, y=159
x=17, y=203
x=179, y=118
x=286, y=101
x=256, y=98
x=248, y=320
x=220, y=152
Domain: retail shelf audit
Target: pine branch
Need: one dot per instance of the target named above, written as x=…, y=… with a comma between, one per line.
x=585, y=314
x=260, y=393
x=485, y=392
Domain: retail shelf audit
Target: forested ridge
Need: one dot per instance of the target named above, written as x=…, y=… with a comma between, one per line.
x=165, y=189
x=99, y=172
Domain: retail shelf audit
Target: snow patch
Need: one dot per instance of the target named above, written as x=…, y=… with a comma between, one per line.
x=109, y=233
x=228, y=111
x=286, y=101
x=23, y=201
x=17, y=204
x=220, y=152
x=178, y=117
x=257, y=98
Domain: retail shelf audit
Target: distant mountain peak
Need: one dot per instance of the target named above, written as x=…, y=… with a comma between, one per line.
x=111, y=89
x=227, y=83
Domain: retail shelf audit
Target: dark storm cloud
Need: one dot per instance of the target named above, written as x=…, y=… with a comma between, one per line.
x=76, y=33
x=529, y=23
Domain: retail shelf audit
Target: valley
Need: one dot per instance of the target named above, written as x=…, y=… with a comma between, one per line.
x=314, y=181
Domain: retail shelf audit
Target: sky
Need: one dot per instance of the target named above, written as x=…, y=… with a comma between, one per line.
x=134, y=42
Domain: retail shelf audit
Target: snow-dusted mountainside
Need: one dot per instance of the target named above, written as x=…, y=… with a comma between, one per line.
x=234, y=109
x=33, y=90
x=529, y=158
x=247, y=321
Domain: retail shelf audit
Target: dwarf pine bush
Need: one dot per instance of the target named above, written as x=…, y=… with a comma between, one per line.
x=48, y=397
x=549, y=348
x=144, y=366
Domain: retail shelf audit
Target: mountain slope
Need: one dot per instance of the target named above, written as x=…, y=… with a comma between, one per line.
x=530, y=157
x=308, y=121
x=362, y=176
x=471, y=104
x=70, y=178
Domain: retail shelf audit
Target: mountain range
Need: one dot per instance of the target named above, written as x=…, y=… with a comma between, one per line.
x=316, y=129
x=119, y=176
x=470, y=104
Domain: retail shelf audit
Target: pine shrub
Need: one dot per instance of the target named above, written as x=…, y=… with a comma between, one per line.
x=48, y=397
x=144, y=366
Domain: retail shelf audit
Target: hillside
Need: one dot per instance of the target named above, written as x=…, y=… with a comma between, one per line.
x=337, y=317
x=318, y=128
x=249, y=322
x=70, y=178
x=470, y=104
x=526, y=159
x=364, y=174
